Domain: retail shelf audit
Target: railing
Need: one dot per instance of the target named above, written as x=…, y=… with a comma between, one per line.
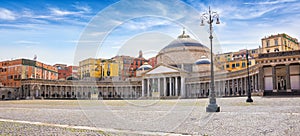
x=278, y=54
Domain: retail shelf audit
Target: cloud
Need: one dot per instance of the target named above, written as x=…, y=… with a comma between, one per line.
x=145, y=23
x=59, y=12
x=26, y=42
x=116, y=47
x=6, y=14
x=82, y=7
x=270, y=2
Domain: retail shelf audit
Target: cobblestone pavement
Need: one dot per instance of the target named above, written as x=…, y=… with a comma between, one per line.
x=265, y=116
x=12, y=128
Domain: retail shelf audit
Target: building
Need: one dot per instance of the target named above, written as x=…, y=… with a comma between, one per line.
x=182, y=71
x=124, y=63
x=67, y=72
x=136, y=63
x=12, y=71
x=152, y=61
x=236, y=60
x=279, y=42
x=90, y=68
x=98, y=69
x=109, y=68
x=187, y=48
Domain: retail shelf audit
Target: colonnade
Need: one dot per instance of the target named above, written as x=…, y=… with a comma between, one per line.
x=80, y=92
x=227, y=87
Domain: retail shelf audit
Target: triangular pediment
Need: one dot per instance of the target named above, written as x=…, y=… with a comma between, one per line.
x=161, y=70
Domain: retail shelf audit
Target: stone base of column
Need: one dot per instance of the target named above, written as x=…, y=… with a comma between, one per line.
x=212, y=108
x=274, y=90
x=289, y=90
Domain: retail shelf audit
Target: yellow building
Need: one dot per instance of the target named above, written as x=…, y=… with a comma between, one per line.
x=90, y=68
x=279, y=42
x=233, y=61
x=110, y=68
x=238, y=64
x=98, y=68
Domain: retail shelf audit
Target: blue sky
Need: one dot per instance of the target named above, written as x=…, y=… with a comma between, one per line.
x=59, y=32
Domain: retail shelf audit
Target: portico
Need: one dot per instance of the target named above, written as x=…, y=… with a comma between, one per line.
x=163, y=81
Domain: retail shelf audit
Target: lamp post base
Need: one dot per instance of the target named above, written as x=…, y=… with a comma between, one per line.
x=212, y=108
x=249, y=99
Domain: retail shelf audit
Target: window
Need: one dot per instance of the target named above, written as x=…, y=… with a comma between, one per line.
x=233, y=65
x=268, y=43
x=249, y=62
x=276, y=42
x=243, y=64
x=276, y=50
x=268, y=51
x=237, y=64
x=284, y=42
x=227, y=66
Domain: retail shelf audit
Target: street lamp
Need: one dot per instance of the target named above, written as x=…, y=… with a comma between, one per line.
x=249, y=99
x=210, y=17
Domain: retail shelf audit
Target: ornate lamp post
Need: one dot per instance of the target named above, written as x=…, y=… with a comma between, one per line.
x=210, y=17
x=249, y=99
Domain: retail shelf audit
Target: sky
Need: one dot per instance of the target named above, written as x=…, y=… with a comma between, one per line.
x=69, y=31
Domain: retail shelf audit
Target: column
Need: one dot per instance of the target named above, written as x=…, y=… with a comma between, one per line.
x=228, y=87
x=198, y=89
x=143, y=87
x=176, y=86
x=261, y=79
x=257, y=82
x=246, y=85
x=209, y=88
x=274, y=78
x=201, y=89
x=148, y=87
x=153, y=87
x=238, y=86
x=232, y=86
x=170, y=84
x=218, y=87
x=182, y=87
x=252, y=83
x=223, y=88
x=288, y=78
x=243, y=85
x=165, y=86
x=158, y=86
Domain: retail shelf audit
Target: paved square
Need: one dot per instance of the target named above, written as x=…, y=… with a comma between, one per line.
x=266, y=116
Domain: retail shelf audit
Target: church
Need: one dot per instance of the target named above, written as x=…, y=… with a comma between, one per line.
x=182, y=71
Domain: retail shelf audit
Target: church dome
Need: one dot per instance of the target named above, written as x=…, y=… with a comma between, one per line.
x=182, y=53
x=183, y=40
x=202, y=60
x=145, y=66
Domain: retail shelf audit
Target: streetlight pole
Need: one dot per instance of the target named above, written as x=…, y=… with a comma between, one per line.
x=249, y=99
x=210, y=17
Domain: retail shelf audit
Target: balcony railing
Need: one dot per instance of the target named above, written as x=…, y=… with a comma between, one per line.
x=279, y=54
